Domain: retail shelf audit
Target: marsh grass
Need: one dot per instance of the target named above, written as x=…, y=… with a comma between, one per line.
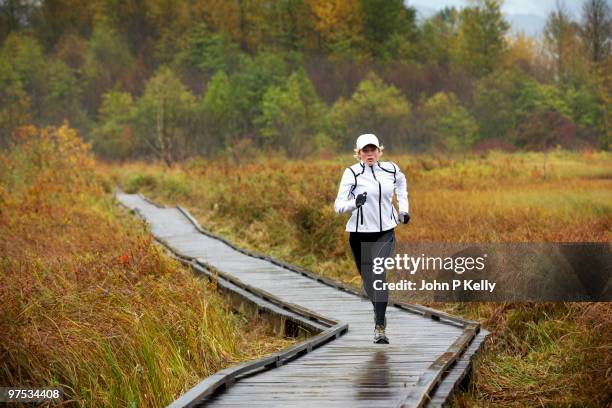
x=89, y=302
x=539, y=354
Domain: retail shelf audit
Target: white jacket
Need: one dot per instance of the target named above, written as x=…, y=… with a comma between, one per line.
x=380, y=181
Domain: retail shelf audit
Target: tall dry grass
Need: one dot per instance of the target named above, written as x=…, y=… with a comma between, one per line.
x=542, y=354
x=89, y=303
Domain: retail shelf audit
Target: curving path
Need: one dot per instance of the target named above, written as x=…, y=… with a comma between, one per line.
x=429, y=352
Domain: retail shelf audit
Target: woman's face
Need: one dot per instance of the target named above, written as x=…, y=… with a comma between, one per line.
x=369, y=154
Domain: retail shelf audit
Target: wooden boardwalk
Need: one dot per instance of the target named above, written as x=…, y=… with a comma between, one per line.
x=429, y=352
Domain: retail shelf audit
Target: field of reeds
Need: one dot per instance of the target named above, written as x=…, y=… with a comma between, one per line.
x=546, y=354
x=89, y=302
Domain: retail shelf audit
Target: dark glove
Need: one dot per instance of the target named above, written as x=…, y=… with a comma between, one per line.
x=404, y=217
x=361, y=199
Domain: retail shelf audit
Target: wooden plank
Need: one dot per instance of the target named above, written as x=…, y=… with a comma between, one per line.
x=419, y=394
x=428, y=347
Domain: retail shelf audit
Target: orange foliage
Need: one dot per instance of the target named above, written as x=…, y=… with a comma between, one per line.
x=337, y=20
x=522, y=51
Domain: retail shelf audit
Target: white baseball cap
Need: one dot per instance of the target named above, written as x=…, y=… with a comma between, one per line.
x=367, y=139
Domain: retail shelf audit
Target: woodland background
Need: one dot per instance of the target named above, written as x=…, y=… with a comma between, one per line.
x=169, y=79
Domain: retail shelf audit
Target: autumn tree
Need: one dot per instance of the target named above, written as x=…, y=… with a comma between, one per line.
x=207, y=51
x=596, y=30
x=250, y=83
x=522, y=53
x=287, y=25
x=338, y=26
x=562, y=44
x=165, y=115
x=292, y=116
x=374, y=107
x=113, y=136
x=482, y=43
x=107, y=64
x=51, y=18
x=446, y=124
x=438, y=38
x=596, y=34
x=544, y=131
x=14, y=102
x=503, y=99
x=389, y=27
x=218, y=116
x=52, y=88
x=25, y=56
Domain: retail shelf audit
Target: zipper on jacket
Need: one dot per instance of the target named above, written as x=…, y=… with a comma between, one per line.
x=379, y=198
x=361, y=215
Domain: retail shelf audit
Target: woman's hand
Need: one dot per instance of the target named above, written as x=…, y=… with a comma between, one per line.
x=361, y=199
x=404, y=217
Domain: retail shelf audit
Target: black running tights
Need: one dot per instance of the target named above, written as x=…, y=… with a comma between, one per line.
x=365, y=247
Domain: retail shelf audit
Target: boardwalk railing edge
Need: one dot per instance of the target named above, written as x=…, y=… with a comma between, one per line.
x=417, y=396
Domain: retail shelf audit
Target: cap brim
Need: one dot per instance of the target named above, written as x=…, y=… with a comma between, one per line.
x=370, y=144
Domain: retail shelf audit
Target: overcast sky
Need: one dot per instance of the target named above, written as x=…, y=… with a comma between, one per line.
x=537, y=7
x=525, y=16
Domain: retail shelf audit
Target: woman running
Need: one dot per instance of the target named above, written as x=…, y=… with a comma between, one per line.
x=366, y=189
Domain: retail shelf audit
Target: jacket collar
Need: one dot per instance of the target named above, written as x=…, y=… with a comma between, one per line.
x=363, y=165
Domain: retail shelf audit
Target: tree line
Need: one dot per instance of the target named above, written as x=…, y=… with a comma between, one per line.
x=170, y=79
